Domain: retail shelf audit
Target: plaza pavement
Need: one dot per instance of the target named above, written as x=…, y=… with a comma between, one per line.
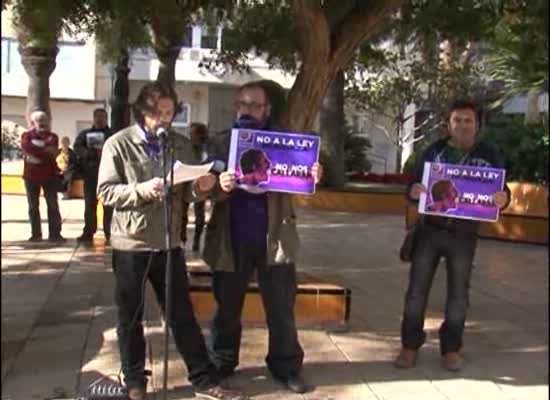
x=58, y=319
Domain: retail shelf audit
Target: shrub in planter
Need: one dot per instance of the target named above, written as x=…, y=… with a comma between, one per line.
x=10, y=140
x=524, y=147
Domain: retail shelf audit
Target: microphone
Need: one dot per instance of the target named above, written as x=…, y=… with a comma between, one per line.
x=162, y=134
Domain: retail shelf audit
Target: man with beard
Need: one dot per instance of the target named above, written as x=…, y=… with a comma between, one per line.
x=130, y=181
x=254, y=231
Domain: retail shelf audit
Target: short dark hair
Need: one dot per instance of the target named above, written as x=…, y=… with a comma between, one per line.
x=250, y=159
x=255, y=85
x=200, y=127
x=147, y=99
x=465, y=104
x=99, y=110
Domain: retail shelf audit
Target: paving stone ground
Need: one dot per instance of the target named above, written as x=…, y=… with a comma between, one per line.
x=58, y=318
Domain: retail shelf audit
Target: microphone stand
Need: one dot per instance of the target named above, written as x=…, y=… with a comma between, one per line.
x=167, y=205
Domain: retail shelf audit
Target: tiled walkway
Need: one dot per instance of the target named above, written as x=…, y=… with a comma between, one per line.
x=58, y=319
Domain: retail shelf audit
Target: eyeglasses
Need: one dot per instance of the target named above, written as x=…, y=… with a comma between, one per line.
x=240, y=104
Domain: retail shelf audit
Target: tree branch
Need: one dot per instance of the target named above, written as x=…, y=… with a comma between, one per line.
x=387, y=133
x=313, y=29
x=359, y=26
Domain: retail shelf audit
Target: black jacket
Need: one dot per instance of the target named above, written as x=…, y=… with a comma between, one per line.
x=88, y=156
x=482, y=155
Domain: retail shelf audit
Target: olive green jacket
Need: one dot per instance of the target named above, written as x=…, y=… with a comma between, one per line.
x=138, y=224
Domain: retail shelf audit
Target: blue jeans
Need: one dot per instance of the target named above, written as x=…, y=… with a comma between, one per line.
x=431, y=244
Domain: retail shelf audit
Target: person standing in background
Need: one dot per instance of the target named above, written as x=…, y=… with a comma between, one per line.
x=40, y=147
x=199, y=140
x=88, y=146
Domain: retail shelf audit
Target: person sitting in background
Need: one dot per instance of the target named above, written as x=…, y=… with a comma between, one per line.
x=66, y=162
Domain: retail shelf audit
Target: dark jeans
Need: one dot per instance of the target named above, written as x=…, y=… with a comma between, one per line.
x=277, y=286
x=50, y=189
x=130, y=268
x=459, y=249
x=90, y=208
x=199, y=210
x=67, y=179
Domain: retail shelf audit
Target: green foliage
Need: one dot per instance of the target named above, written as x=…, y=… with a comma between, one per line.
x=119, y=26
x=39, y=23
x=244, y=33
x=355, y=149
x=518, y=52
x=525, y=148
x=11, y=133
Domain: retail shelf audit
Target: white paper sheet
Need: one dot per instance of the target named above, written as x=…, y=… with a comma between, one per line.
x=185, y=172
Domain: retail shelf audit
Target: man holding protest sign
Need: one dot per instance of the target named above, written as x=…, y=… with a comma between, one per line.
x=454, y=237
x=253, y=228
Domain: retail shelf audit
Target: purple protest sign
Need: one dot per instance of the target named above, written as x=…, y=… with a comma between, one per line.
x=273, y=161
x=461, y=191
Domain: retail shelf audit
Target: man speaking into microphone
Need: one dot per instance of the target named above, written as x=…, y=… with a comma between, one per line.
x=131, y=181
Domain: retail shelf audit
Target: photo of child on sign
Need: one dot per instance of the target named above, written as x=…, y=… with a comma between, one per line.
x=445, y=196
x=255, y=167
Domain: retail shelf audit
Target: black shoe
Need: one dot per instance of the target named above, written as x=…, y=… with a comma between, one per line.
x=57, y=239
x=35, y=239
x=224, y=373
x=294, y=383
x=85, y=238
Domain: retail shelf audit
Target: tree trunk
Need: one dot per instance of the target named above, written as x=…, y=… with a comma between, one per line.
x=167, y=68
x=120, y=107
x=398, y=159
x=532, y=113
x=332, y=120
x=39, y=63
x=306, y=96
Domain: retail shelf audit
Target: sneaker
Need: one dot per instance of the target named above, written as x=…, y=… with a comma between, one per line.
x=219, y=393
x=294, y=383
x=35, y=239
x=57, y=239
x=405, y=359
x=452, y=361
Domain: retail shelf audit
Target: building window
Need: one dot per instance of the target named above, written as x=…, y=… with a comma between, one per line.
x=70, y=54
x=11, y=59
x=182, y=118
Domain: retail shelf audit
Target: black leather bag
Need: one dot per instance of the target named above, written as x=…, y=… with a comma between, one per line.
x=407, y=248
